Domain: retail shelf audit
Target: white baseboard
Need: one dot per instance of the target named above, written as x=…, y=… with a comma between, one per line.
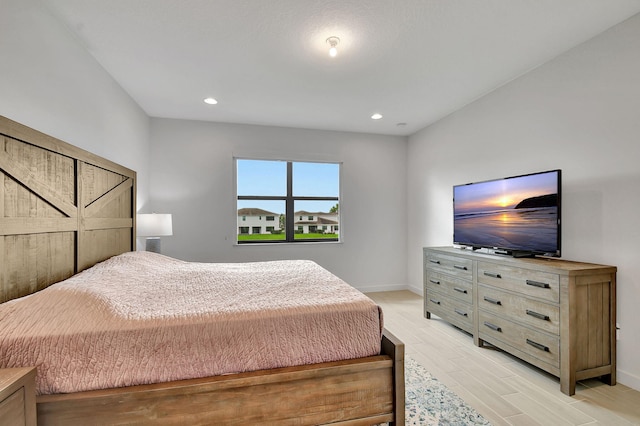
x=628, y=379
x=383, y=287
x=390, y=287
x=417, y=290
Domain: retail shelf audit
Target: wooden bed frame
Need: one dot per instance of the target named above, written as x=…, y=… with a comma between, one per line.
x=62, y=210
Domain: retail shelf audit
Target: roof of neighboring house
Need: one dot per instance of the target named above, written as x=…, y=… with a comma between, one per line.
x=320, y=221
x=306, y=213
x=249, y=211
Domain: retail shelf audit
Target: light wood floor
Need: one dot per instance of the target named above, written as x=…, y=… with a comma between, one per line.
x=503, y=389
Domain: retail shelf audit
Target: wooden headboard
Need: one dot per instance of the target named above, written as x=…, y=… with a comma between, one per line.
x=62, y=210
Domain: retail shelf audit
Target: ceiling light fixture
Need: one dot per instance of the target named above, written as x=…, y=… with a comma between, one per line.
x=333, y=42
x=210, y=101
x=376, y=116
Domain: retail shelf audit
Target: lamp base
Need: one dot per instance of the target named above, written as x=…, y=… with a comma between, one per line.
x=153, y=244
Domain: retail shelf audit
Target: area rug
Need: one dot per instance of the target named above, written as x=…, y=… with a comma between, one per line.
x=429, y=402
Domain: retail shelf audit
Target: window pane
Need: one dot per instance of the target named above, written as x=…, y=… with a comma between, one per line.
x=262, y=177
x=316, y=179
x=316, y=220
x=261, y=220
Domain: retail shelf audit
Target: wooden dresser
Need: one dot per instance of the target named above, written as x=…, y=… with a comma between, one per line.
x=18, y=396
x=555, y=314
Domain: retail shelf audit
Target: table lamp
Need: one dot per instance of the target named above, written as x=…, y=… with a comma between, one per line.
x=153, y=226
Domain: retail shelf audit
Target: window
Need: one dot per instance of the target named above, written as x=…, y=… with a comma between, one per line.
x=297, y=196
x=244, y=230
x=256, y=230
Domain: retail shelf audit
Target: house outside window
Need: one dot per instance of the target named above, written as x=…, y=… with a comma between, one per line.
x=251, y=221
x=283, y=191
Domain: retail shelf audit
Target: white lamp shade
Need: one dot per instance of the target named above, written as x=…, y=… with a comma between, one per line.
x=154, y=225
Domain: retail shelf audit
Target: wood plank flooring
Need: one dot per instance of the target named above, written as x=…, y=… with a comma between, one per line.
x=505, y=390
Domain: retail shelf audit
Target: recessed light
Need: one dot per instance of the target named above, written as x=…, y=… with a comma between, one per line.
x=210, y=101
x=376, y=116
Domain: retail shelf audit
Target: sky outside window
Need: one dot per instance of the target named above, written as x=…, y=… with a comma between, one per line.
x=259, y=177
x=269, y=178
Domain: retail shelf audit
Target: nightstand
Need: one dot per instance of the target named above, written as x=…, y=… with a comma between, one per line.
x=18, y=396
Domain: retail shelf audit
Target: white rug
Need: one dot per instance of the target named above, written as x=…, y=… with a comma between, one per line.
x=429, y=402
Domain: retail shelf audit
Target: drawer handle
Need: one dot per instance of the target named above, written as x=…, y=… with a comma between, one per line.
x=435, y=301
x=459, y=312
x=494, y=301
x=460, y=290
x=492, y=274
x=537, y=315
x=538, y=345
x=464, y=268
x=493, y=327
x=434, y=261
x=434, y=281
x=537, y=284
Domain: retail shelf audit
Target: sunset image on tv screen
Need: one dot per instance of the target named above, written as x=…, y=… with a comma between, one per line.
x=519, y=213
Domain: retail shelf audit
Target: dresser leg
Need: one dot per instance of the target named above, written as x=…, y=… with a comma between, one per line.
x=609, y=379
x=567, y=387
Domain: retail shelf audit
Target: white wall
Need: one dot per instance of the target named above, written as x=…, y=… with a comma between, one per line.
x=48, y=81
x=192, y=175
x=580, y=113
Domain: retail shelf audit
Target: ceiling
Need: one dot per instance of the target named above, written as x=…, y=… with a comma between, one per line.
x=266, y=61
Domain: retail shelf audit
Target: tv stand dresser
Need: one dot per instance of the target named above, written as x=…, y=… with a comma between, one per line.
x=555, y=314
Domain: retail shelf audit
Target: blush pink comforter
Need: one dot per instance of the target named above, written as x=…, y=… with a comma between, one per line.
x=142, y=318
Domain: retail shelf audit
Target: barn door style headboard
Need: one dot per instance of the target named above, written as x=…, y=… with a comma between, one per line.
x=62, y=210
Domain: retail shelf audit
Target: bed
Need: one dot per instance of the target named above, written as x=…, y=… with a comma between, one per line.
x=66, y=213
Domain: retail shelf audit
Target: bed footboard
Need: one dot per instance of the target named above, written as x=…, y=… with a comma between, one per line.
x=361, y=391
x=394, y=348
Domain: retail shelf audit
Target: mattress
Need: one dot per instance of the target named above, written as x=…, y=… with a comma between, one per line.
x=142, y=317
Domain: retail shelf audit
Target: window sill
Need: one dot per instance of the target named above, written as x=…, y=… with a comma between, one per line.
x=285, y=243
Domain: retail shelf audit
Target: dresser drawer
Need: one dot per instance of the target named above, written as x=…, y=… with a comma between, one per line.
x=453, y=287
x=451, y=310
x=515, y=307
x=542, y=285
x=451, y=265
x=535, y=343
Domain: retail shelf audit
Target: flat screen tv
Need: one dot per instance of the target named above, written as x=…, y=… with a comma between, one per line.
x=518, y=215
